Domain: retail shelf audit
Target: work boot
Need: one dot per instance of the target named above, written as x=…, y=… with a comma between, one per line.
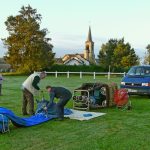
x=25, y=113
x=60, y=119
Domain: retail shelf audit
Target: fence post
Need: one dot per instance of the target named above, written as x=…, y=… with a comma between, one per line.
x=56, y=74
x=94, y=75
x=124, y=74
x=68, y=74
x=108, y=75
x=80, y=75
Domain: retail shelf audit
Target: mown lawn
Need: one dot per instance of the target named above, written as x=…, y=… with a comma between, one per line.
x=117, y=130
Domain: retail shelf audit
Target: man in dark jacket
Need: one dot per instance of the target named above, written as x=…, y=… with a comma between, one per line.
x=63, y=94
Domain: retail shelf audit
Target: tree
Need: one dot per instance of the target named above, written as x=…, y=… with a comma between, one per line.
x=117, y=54
x=147, y=55
x=106, y=53
x=28, y=47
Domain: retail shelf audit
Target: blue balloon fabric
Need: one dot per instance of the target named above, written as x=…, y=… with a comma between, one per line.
x=30, y=121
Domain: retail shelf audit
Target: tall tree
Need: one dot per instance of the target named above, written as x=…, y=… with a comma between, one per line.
x=106, y=53
x=28, y=47
x=117, y=54
x=147, y=55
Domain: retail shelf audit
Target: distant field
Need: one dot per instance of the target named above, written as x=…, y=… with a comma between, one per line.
x=117, y=130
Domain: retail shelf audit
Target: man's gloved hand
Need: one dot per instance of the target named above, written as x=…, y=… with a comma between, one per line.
x=45, y=108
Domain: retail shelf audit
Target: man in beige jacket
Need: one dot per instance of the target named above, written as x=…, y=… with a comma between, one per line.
x=31, y=88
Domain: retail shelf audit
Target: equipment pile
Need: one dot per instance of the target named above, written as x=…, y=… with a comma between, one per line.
x=99, y=95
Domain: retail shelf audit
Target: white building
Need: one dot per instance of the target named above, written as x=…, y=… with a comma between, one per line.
x=76, y=59
x=87, y=58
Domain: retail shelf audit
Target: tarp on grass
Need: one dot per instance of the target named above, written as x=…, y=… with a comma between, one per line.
x=30, y=121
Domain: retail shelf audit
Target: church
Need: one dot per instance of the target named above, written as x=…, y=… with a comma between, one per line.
x=87, y=58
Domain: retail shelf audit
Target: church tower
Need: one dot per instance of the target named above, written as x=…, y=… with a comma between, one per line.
x=89, y=48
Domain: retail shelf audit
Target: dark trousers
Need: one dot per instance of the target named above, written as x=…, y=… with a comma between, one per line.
x=27, y=100
x=0, y=89
x=60, y=106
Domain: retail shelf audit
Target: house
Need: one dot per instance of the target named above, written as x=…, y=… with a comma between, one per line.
x=4, y=67
x=76, y=59
x=59, y=61
x=87, y=58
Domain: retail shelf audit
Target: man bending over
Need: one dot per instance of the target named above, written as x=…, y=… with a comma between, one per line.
x=63, y=94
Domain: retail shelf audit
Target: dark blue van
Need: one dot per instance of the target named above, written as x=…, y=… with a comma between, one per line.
x=137, y=80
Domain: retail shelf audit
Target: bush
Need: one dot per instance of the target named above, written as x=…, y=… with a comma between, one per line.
x=84, y=68
x=126, y=69
x=65, y=68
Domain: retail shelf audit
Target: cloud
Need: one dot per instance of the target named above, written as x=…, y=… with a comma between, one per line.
x=68, y=44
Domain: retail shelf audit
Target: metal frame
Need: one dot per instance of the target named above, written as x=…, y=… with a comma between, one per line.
x=87, y=102
x=4, y=130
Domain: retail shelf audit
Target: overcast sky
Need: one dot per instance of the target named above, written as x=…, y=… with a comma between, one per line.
x=68, y=21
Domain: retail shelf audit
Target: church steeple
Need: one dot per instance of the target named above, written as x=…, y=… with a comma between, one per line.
x=89, y=35
x=89, y=48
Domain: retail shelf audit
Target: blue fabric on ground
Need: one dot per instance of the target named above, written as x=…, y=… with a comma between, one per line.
x=30, y=121
x=67, y=111
x=51, y=109
x=87, y=115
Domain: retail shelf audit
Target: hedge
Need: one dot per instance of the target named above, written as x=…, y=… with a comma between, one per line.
x=83, y=68
x=65, y=68
x=75, y=68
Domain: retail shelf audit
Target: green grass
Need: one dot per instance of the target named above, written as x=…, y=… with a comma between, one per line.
x=117, y=130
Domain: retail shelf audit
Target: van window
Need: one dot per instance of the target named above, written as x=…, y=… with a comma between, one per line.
x=139, y=71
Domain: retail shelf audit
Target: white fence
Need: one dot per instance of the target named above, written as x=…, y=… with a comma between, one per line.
x=108, y=74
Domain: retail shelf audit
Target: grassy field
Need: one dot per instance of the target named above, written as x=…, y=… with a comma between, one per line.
x=117, y=130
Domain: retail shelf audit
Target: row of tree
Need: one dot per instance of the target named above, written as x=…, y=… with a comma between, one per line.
x=117, y=54
x=29, y=49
